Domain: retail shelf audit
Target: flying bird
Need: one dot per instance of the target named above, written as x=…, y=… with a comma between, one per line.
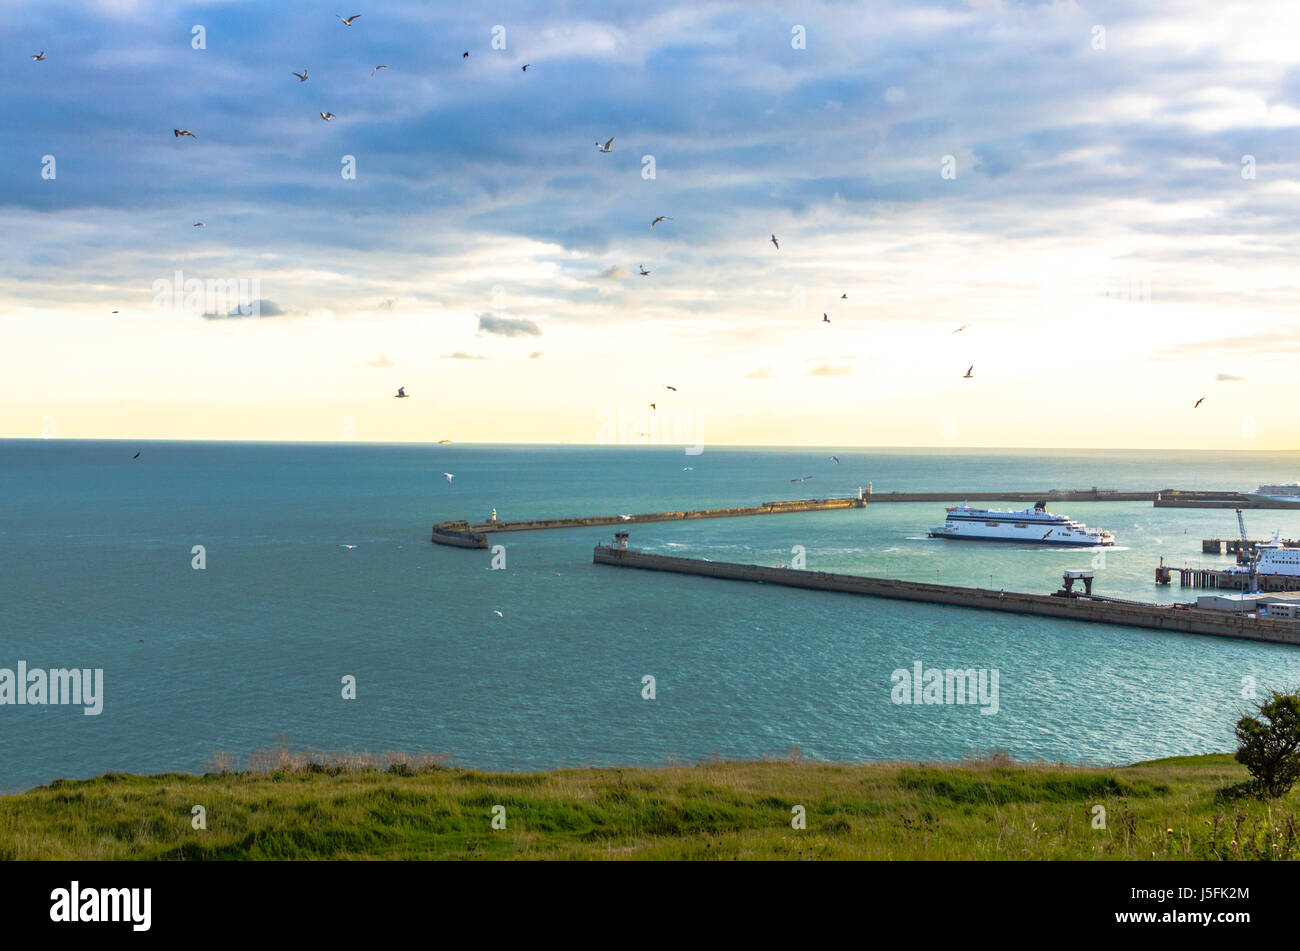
x=177, y=133
x=804, y=479
x=200, y=224
x=498, y=614
x=302, y=77
x=39, y=57
x=1049, y=531
x=348, y=21
x=115, y=312
x=667, y=387
x=401, y=393
x=778, y=247
x=835, y=459
x=136, y=456
x=1199, y=402
x=688, y=468
x=626, y=518
x=960, y=329
x=327, y=116
x=657, y=220
x=644, y=272
x=377, y=68
x=968, y=375
x=844, y=297
x=449, y=476
x=349, y=547
x=607, y=147
x=652, y=406
x=465, y=55
x=825, y=319
x=524, y=68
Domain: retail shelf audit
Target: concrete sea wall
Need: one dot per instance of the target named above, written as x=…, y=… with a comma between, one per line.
x=1097, y=610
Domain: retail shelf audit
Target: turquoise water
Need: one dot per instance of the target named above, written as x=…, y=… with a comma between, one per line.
x=95, y=555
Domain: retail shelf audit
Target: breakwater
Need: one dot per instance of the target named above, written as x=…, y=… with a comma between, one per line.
x=465, y=535
x=1176, y=618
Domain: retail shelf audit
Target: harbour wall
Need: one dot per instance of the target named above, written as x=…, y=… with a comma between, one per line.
x=1179, y=619
x=464, y=535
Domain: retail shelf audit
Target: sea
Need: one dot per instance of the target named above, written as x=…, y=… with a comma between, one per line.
x=237, y=595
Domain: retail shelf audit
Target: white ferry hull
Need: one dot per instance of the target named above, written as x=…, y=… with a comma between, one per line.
x=1064, y=542
x=1028, y=527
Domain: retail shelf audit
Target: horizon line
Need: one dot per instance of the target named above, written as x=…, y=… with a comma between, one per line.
x=579, y=445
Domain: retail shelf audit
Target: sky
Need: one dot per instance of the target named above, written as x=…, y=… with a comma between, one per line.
x=1094, y=204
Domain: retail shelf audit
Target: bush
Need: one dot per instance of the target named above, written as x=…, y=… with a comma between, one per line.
x=1270, y=744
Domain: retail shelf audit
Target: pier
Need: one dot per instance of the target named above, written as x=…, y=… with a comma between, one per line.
x=1217, y=578
x=462, y=534
x=1189, y=499
x=1235, y=546
x=1063, y=605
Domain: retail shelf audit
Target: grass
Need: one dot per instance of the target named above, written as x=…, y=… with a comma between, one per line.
x=307, y=806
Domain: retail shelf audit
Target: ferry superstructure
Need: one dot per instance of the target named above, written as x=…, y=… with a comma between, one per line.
x=1283, y=492
x=1035, y=526
x=1275, y=559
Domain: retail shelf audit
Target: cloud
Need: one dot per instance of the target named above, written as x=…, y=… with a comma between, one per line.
x=1278, y=339
x=257, y=308
x=762, y=373
x=1227, y=378
x=508, y=326
x=826, y=369
x=381, y=361
x=462, y=355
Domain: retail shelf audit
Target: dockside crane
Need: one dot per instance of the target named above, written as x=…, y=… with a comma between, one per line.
x=1247, y=552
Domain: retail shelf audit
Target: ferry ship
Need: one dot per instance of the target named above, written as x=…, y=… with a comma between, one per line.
x=1274, y=559
x=1286, y=492
x=1035, y=526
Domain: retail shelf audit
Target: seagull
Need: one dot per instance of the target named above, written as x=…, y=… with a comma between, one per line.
x=667, y=387
x=778, y=247
x=1199, y=402
x=449, y=476
x=968, y=375
x=200, y=224
x=327, y=116
x=524, y=68
x=373, y=71
x=39, y=57
x=960, y=329
x=657, y=220
x=302, y=77
x=136, y=456
x=688, y=468
x=607, y=147
x=825, y=319
x=835, y=459
x=498, y=614
x=401, y=393
x=348, y=21
x=804, y=479
x=177, y=133
x=644, y=272
x=626, y=518
x=349, y=547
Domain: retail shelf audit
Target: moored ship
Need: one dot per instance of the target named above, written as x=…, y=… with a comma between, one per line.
x=1282, y=492
x=1035, y=526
